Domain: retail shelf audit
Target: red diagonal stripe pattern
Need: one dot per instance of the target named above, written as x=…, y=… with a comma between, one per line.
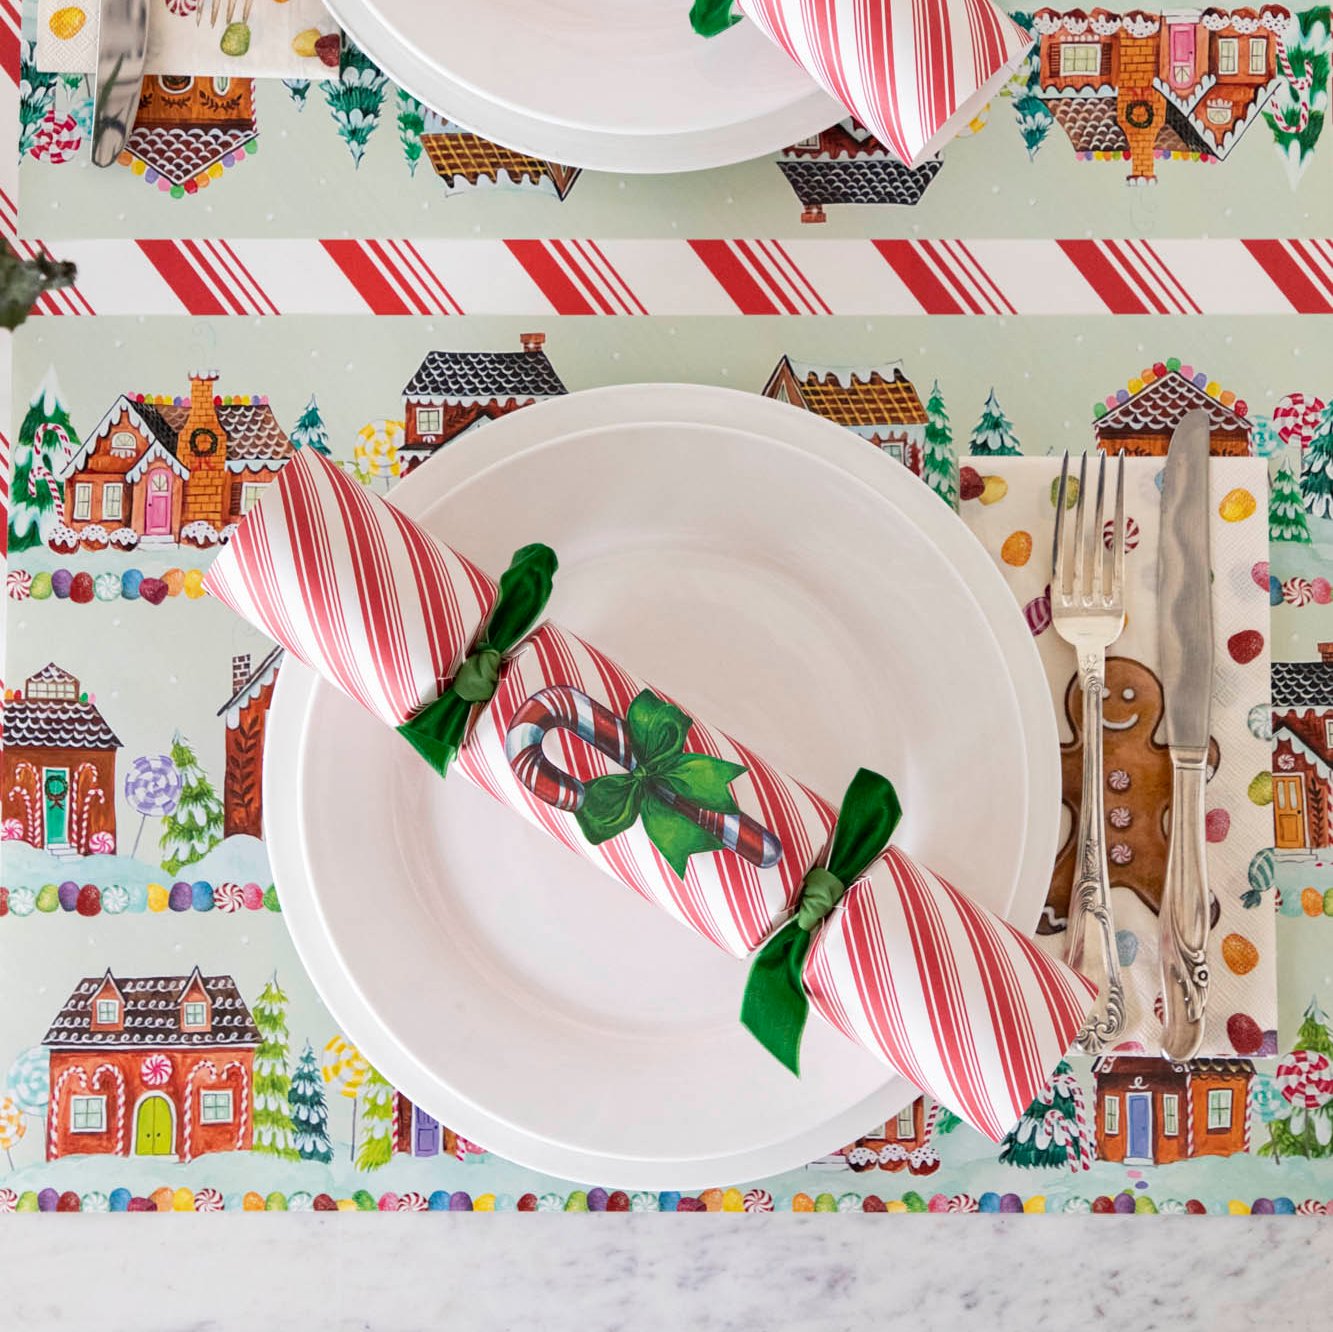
x=1299, y=269
x=760, y=277
x=392, y=277
x=944, y=277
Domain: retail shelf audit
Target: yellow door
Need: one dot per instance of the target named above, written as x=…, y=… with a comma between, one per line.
x=1288, y=812
x=153, y=1128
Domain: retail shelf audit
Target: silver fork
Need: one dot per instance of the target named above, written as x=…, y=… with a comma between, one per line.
x=1090, y=617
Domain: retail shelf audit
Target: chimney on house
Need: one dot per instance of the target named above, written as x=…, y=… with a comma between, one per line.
x=814, y=213
x=201, y=391
x=532, y=342
x=1325, y=653
x=240, y=671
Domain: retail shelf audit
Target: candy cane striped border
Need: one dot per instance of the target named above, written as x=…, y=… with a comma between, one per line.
x=692, y=277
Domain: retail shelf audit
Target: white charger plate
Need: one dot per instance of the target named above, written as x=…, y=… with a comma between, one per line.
x=626, y=86
x=799, y=589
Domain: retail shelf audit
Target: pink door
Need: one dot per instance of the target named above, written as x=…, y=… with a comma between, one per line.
x=157, y=507
x=1182, y=55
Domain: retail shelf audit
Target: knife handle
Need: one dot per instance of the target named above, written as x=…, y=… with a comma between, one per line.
x=1183, y=921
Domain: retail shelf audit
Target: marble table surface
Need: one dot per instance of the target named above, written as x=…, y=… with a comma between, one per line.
x=401, y=1273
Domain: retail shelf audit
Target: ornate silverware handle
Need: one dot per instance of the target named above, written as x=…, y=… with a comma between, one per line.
x=1184, y=916
x=1090, y=901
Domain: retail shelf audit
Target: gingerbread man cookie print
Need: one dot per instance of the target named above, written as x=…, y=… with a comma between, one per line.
x=1137, y=772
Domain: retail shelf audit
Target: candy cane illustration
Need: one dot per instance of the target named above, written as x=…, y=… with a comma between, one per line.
x=188, y=1126
x=120, y=1101
x=1300, y=88
x=39, y=472
x=562, y=707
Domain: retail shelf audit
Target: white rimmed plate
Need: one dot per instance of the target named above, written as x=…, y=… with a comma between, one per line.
x=623, y=87
x=794, y=586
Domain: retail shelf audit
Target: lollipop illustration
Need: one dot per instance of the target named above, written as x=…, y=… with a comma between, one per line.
x=12, y=1126
x=29, y=1080
x=152, y=786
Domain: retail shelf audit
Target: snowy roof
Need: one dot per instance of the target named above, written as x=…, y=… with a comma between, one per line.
x=1302, y=684
x=55, y=723
x=468, y=376
x=1148, y=1064
x=153, y=1014
x=265, y=672
x=853, y=395
x=464, y=156
x=1161, y=404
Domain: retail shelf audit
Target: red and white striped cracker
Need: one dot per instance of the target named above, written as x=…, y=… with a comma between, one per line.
x=951, y=996
x=360, y=593
x=732, y=903
x=913, y=72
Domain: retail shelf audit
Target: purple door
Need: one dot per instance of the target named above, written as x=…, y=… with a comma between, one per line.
x=426, y=1131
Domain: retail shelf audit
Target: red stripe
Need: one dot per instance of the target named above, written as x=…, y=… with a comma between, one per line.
x=552, y=280
x=1277, y=261
x=361, y=271
x=720, y=260
x=1102, y=276
x=9, y=43
x=905, y=259
x=178, y=273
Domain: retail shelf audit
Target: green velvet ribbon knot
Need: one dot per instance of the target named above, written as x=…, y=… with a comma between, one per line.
x=774, y=1006
x=662, y=770
x=437, y=731
x=709, y=17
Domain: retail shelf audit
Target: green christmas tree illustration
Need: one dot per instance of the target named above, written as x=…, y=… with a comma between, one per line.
x=1029, y=1143
x=993, y=436
x=355, y=98
x=298, y=90
x=1286, y=512
x=376, y=1146
x=194, y=827
x=310, y=432
x=32, y=499
x=411, y=125
x=1317, y=469
x=939, y=467
x=309, y=1109
x=1306, y=1130
x=272, y=1115
x=1033, y=116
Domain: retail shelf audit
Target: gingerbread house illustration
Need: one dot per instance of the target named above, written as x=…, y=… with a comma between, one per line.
x=846, y=164
x=1141, y=417
x=900, y=1143
x=160, y=464
x=456, y=391
x=462, y=159
x=878, y=402
x=189, y=129
x=151, y=1066
x=58, y=767
x=1186, y=83
x=1151, y=1111
x=417, y=1133
x=1303, y=753
x=246, y=712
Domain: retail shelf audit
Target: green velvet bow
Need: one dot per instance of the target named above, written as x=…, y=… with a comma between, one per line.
x=709, y=17
x=657, y=732
x=774, y=1006
x=437, y=731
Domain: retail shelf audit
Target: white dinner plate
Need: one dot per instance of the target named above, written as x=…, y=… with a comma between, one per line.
x=626, y=86
x=790, y=584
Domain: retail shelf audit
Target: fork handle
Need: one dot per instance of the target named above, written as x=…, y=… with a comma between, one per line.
x=1090, y=902
x=1184, y=919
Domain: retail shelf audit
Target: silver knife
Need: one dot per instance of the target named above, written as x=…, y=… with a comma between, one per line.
x=1185, y=636
x=122, y=44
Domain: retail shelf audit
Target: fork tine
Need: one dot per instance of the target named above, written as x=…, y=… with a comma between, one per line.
x=1118, y=561
x=1098, y=541
x=1058, y=543
x=1080, y=528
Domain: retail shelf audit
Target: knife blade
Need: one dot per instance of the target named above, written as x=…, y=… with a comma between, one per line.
x=122, y=45
x=1185, y=638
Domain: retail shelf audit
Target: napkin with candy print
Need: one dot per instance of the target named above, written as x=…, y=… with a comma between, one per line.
x=616, y=770
x=912, y=73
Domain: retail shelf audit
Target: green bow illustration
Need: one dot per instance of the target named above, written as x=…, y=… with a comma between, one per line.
x=662, y=786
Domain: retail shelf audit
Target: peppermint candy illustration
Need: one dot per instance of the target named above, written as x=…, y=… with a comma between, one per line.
x=155, y=1071
x=18, y=584
x=228, y=897
x=758, y=1200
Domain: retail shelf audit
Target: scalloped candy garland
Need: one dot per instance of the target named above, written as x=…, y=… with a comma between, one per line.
x=1159, y=370
x=83, y=587
x=113, y=900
